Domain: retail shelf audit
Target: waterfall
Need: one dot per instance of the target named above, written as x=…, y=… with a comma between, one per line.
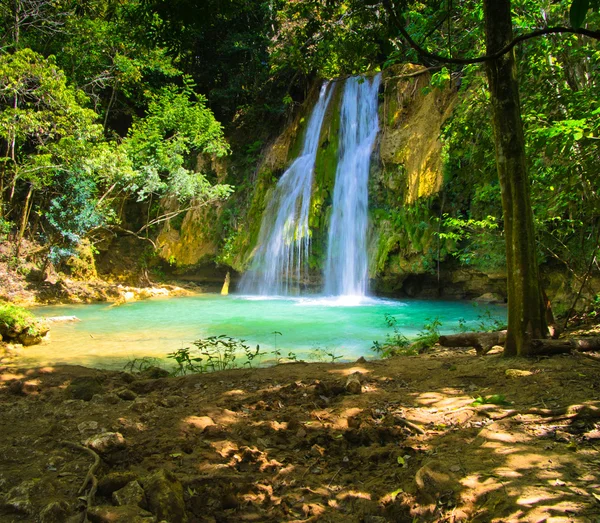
x=280, y=263
x=346, y=268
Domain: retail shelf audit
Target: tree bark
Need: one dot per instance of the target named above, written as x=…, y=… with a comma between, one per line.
x=481, y=341
x=565, y=346
x=526, y=312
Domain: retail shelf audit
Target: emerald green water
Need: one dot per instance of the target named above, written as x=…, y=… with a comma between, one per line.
x=110, y=336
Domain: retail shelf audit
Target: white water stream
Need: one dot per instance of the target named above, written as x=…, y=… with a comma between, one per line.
x=346, y=268
x=280, y=263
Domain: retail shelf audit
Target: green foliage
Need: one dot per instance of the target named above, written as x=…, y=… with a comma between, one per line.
x=186, y=362
x=494, y=399
x=177, y=123
x=326, y=354
x=141, y=364
x=429, y=334
x=5, y=227
x=395, y=344
x=13, y=317
x=213, y=354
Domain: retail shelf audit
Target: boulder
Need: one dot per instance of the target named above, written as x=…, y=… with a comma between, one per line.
x=84, y=388
x=130, y=494
x=106, y=442
x=164, y=496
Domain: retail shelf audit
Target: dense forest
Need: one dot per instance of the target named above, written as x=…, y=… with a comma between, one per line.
x=108, y=106
x=144, y=148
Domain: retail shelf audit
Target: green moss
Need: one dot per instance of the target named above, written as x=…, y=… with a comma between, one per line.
x=246, y=235
x=17, y=323
x=14, y=317
x=324, y=178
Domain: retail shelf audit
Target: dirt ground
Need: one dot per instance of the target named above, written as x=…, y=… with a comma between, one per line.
x=293, y=443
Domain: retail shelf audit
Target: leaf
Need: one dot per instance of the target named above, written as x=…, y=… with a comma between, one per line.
x=394, y=494
x=401, y=461
x=578, y=11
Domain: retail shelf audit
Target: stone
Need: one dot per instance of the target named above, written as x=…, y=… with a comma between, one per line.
x=109, y=398
x=88, y=427
x=353, y=384
x=114, y=481
x=107, y=442
x=171, y=401
x=489, y=297
x=124, y=514
x=130, y=494
x=164, y=496
x=517, y=373
x=141, y=405
x=126, y=394
x=55, y=512
x=18, y=498
x=84, y=388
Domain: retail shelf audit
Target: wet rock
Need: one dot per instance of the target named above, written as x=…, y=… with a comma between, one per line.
x=55, y=512
x=114, y=481
x=164, y=495
x=126, y=394
x=107, y=442
x=353, y=383
x=130, y=494
x=84, y=388
x=124, y=514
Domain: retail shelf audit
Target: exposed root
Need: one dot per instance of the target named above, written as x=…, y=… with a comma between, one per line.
x=89, y=477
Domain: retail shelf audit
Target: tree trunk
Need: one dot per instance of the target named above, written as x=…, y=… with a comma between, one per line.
x=526, y=312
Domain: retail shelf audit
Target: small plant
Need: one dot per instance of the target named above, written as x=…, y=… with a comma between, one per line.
x=276, y=352
x=325, y=355
x=212, y=354
x=489, y=324
x=252, y=354
x=141, y=364
x=185, y=362
x=495, y=399
x=429, y=334
x=395, y=344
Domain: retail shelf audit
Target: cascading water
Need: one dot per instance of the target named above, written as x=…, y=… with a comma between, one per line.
x=346, y=268
x=284, y=239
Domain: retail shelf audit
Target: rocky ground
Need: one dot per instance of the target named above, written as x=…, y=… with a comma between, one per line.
x=23, y=283
x=445, y=436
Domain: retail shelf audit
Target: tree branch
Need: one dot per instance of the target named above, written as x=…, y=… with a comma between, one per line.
x=466, y=61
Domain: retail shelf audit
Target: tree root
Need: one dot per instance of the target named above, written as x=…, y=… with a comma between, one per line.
x=89, y=477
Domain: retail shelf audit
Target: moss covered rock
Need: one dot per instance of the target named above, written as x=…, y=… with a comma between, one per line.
x=20, y=326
